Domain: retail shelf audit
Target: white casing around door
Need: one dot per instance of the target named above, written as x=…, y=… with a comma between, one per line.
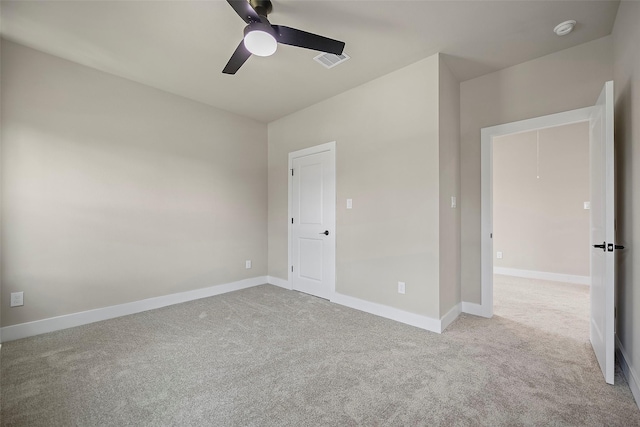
x=312, y=220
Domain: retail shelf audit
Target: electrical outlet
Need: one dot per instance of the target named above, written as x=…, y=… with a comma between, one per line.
x=401, y=287
x=17, y=299
x=499, y=255
x=247, y=264
x=454, y=202
x=587, y=205
x=349, y=203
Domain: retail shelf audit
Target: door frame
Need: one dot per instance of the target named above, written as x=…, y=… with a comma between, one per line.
x=327, y=147
x=486, y=188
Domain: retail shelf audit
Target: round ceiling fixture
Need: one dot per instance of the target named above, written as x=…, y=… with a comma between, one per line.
x=565, y=27
x=259, y=39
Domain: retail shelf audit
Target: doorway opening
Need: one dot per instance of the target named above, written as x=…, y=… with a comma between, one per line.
x=541, y=259
x=602, y=236
x=488, y=135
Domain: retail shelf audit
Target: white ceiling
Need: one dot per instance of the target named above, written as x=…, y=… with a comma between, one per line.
x=182, y=46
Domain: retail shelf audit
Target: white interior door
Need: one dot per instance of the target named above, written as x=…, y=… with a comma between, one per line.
x=312, y=203
x=603, y=274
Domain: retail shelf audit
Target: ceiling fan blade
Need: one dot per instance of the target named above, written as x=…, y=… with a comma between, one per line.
x=245, y=11
x=293, y=37
x=238, y=58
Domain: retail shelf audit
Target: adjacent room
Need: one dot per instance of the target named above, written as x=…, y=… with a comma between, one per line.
x=541, y=228
x=275, y=212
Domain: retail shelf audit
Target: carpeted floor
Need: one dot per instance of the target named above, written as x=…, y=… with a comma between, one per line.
x=557, y=308
x=266, y=356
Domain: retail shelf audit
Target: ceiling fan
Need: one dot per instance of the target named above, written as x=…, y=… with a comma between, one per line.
x=261, y=38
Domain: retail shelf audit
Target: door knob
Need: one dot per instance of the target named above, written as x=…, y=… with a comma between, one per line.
x=602, y=246
x=326, y=232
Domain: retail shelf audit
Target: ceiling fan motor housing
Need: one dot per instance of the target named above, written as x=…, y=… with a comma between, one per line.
x=262, y=7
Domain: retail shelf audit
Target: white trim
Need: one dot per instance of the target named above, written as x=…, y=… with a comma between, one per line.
x=413, y=319
x=473, y=308
x=539, y=123
x=276, y=281
x=486, y=187
x=486, y=237
x=629, y=373
x=451, y=315
x=543, y=275
x=37, y=327
x=321, y=148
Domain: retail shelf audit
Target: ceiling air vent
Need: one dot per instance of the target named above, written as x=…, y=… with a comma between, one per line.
x=329, y=60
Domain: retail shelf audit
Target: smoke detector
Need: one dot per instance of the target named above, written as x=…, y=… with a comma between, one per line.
x=565, y=27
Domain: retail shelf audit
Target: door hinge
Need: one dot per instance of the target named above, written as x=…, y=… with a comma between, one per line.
x=291, y=220
x=292, y=268
x=291, y=172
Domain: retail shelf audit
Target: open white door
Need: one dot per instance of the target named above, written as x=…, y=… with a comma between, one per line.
x=603, y=273
x=312, y=220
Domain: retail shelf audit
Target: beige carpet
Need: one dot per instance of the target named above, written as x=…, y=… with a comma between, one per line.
x=265, y=356
x=558, y=308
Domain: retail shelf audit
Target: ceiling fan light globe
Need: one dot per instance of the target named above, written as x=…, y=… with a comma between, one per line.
x=260, y=43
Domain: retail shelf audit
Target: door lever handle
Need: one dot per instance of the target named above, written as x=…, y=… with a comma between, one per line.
x=326, y=232
x=603, y=246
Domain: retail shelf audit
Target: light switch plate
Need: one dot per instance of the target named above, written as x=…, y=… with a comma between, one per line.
x=499, y=255
x=587, y=205
x=401, y=287
x=349, y=203
x=17, y=299
x=454, y=202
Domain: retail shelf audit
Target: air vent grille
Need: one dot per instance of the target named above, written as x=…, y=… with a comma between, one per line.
x=329, y=60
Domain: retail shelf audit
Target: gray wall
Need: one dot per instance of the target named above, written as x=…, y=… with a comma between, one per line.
x=386, y=133
x=115, y=192
x=540, y=224
x=449, y=129
x=626, y=39
x=562, y=81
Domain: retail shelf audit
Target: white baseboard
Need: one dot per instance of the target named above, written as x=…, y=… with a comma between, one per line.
x=543, y=275
x=475, y=309
x=402, y=316
x=23, y=330
x=413, y=319
x=628, y=371
x=451, y=315
x=276, y=281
